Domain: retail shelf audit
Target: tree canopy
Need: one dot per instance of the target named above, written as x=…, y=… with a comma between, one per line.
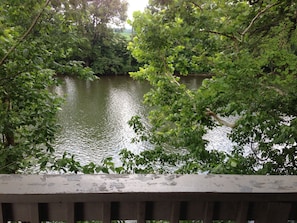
x=102, y=49
x=38, y=40
x=249, y=49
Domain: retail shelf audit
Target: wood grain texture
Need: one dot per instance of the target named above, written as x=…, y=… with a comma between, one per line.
x=113, y=183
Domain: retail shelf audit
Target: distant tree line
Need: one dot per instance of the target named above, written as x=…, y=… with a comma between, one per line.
x=102, y=42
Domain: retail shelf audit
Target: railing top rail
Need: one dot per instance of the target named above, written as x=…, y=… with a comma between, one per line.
x=134, y=183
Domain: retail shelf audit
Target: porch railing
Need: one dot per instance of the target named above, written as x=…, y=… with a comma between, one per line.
x=72, y=198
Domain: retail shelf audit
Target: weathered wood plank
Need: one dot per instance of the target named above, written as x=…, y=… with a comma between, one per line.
x=61, y=184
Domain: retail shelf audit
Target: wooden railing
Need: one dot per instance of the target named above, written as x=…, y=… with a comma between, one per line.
x=71, y=198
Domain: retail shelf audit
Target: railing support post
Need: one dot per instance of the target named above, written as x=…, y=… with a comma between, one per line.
x=70, y=212
x=208, y=212
x=1, y=214
x=34, y=213
x=275, y=212
x=242, y=212
x=175, y=212
x=106, y=212
x=141, y=212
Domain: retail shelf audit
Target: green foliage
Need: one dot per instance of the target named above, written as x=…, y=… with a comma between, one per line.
x=110, y=56
x=34, y=47
x=251, y=51
x=102, y=49
x=39, y=40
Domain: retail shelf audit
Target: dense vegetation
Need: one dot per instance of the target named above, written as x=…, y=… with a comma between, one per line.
x=251, y=49
x=38, y=40
x=248, y=47
x=99, y=46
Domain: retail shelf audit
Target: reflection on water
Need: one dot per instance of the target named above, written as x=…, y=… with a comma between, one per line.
x=95, y=114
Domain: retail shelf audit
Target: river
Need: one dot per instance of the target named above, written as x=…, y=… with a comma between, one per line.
x=94, y=117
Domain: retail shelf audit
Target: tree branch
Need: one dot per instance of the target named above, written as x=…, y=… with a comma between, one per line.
x=208, y=111
x=23, y=37
x=222, y=34
x=219, y=120
x=277, y=90
x=256, y=17
x=198, y=6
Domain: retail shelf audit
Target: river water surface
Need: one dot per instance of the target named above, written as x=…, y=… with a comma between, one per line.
x=95, y=114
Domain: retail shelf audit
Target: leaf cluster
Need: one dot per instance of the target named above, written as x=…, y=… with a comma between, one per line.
x=33, y=50
x=249, y=49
